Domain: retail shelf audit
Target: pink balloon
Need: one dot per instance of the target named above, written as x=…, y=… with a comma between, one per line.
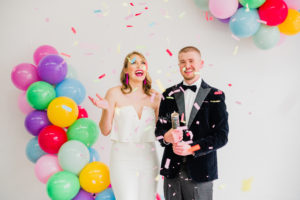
x=46, y=166
x=294, y=4
x=23, y=103
x=223, y=9
x=43, y=51
x=23, y=75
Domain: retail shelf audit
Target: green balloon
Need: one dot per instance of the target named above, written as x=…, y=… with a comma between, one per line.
x=63, y=186
x=84, y=130
x=266, y=37
x=252, y=3
x=40, y=94
x=202, y=4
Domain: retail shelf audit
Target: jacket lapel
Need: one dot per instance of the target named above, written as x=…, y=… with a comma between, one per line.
x=202, y=93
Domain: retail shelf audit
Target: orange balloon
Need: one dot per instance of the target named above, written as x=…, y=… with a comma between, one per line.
x=291, y=24
x=94, y=177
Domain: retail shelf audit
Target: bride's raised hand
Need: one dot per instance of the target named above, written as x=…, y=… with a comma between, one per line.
x=100, y=102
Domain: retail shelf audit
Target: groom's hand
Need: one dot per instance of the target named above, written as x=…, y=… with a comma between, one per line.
x=173, y=136
x=182, y=149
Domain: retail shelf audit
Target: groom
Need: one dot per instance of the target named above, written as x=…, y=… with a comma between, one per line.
x=189, y=163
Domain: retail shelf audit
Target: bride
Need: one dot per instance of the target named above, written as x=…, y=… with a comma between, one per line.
x=129, y=115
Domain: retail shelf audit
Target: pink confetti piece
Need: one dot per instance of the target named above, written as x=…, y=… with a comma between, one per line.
x=229, y=84
x=137, y=14
x=196, y=106
x=167, y=164
x=210, y=148
x=208, y=18
x=73, y=30
x=101, y=76
x=47, y=19
x=218, y=92
x=181, y=89
x=146, y=8
x=131, y=4
x=238, y=102
x=129, y=26
x=197, y=122
x=261, y=21
x=169, y=52
x=182, y=117
x=64, y=54
x=160, y=137
x=235, y=37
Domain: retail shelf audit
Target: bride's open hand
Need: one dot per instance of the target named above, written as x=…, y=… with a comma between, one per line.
x=100, y=102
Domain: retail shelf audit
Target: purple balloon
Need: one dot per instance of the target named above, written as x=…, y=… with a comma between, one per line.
x=52, y=69
x=83, y=195
x=36, y=121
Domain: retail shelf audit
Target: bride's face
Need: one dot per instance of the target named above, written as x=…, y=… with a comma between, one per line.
x=136, y=68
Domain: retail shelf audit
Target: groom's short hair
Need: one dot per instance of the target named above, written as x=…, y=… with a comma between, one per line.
x=188, y=49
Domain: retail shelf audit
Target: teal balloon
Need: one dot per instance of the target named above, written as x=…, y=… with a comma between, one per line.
x=71, y=88
x=94, y=155
x=73, y=156
x=33, y=150
x=106, y=194
x=202, y=4
x=72, y=73
x=84, y=130
x=63, y=186
x=266, y=37
x=40, y=94
x=244, y=23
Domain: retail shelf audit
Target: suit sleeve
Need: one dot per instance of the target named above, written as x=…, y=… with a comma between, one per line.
x=218, y=135
x=163, y=123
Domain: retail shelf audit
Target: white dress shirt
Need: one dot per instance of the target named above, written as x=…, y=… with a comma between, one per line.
x=189, y=98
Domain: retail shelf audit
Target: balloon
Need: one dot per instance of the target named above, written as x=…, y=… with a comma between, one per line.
x=83, y=195
x=46, y=166
x=62, y=111
x=266, y=37
x=94, y=155
x=82, y=113
x=225, y=21
x=291, y=25
x=94, y=177
x=273, y=12
x=202, y=4
x=244, y=23
x=36, y=121
x=23, y=104
x=223, y=9
x=71, y=72
x=107, y=194
x=40, y=94
x=293, y=4
x=63, y=186
x=51, y=138
x=43, y=51
x=73, y=156
x=252, y=3
x=52, y=69
x=33, y=150
x=71, y=88
x=84, y=130
x=23, y=75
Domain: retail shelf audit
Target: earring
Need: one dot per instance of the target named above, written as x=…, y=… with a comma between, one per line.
x=127, y=78
x=145, y=81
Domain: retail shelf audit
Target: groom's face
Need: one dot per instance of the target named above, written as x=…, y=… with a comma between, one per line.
x=190, y=64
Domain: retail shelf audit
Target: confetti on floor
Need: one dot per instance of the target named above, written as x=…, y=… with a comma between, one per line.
x=247, y=184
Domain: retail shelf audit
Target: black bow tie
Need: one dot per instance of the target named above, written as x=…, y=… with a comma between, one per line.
x=191, y=87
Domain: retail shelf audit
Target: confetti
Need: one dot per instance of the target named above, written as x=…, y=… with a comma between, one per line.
x=235, y=37
x=246, y=186
x=196, y=106
x=137, y=14
x=238, y=102
x=229, y=84
x=146, y=8
x=131, y=4
x=261, y=21
x=208, y=18
x=128, y=26
x=169, y=97
x=160, y=86
x=167, y=163
x=160, y=137
x=218, y=92
x=181, y=15
x=194, y=148
x=169, y=52
x=66, y=108
x=182, y=117
x=152, y=24
x=97, y=11
x=197, y=122
x=215, y=101
x=235, y=50
x=73, y=30
x=133, y=60
x=101, y=76
x=128, y=17
x=64, y=54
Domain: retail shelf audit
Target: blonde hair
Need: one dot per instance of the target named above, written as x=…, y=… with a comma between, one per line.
x=126, y=89
x=188, y=49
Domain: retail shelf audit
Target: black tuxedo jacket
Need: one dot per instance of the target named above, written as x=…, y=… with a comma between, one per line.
x=209, y=127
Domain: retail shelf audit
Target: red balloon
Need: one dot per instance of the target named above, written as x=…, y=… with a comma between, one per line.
x=51, y=138
x=274, y=12
x=82, y=113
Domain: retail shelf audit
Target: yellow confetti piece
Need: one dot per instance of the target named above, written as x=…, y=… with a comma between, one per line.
x=160, y=86
x=183, y=69
x=181, y=15
x=158, y=71
x=246, y=186
x=169, y=97
x=137, y=173
x=75, y=43
x=222, y=186
x=157, y=178
x=119, y=48
x=235, y=50
x=215, y=101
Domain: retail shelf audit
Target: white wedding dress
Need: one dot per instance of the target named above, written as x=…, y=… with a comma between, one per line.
x=134, y=165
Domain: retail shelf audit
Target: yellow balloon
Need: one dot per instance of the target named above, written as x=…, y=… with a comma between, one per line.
x=62, y=111
x=94, y=177
x=291, y=24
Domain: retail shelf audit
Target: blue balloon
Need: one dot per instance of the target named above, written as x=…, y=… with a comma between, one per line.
x=33, y=150
x=71, y=88
x=244, y=23
x=94, y=155
x=107, y=194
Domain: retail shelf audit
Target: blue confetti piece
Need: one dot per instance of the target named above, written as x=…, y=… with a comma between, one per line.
x=67, y=108
x=133, y=60
x=97, y=11
x=152, y=24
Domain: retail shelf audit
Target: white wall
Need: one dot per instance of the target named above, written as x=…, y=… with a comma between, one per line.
x=263, y=144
